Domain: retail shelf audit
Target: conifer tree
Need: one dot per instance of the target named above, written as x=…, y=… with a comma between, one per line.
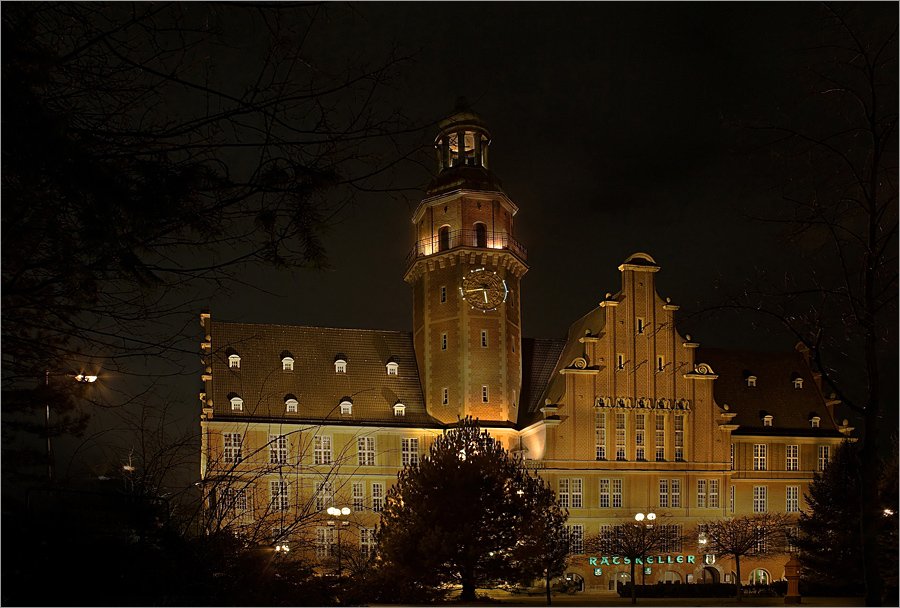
x=470, y=514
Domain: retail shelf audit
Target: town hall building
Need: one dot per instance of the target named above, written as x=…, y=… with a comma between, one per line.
x=305, y=428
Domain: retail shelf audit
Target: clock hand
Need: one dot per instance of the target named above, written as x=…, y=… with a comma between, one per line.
x=485, y=295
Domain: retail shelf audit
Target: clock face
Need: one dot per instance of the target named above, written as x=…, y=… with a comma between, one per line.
x=483, y=289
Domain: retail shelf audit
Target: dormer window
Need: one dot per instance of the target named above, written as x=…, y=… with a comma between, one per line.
x=291, y=404
x=392, y=368
x=287, y=364
x=237, y=404
x=340, y=365
x=798, y=382
x=234, y=361
x=346, y=407
x=751, y=381
x=767, y=420
x=399, y=409
x=814, y=421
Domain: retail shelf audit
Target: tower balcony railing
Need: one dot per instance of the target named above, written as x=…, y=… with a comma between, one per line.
x=465, y=238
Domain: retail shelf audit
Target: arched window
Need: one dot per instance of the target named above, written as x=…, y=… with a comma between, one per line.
x=290, y=403
x=392, y=368
x=237, y=404
x=444, y=238
x=234, y=361
x=760, y=577
x=287, y=364
x=480, y=235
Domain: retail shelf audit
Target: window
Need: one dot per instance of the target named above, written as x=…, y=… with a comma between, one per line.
x=759, y=499
x=287, y=364
x=640, y=325
x=444, y=238
x=679, y=438
x=409, y=449
x=600, y=433
x=604, y=493
x=792, y=533
x=563, y=494
x=762, y=545
x=798, y=382
x=278, y=449
x=823, y=457
x=731, y=501
x=484, y=338
x=365, y=451
x=767, y=420
x=671, y=538
x=340, y=366
x=617, y=493
x=732, y=456
x=445, y=396
x=660, y=438
x=701, y=493
x=751, y=381
x=714, y=493
x=576, y=538
x=346, y=408
x=324, y=541
x=577, y=496
x=759, y=577
x=620, y=361
x=443, y=341
x=234, y=361
x=233, y=500
x=278, y=491
x=237, y=404
x=392, y=368
x=291, y=405
x=759, y=457
x=660, y=363
x=377, y=497
x=399, y=409
x=367, y=542
x=322, y=449
x=232, y=451
x=664, y=493
x=620, y=435
x=484, y=394
x=443, y=294
x=676, y=493
x=480, y=235
x=639, y=442
x=324, y=495
x=793, y=458
x=358, y=501
x=815, y=422
x=792, y=502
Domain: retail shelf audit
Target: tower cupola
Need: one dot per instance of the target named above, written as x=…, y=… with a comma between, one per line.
x=463, y=139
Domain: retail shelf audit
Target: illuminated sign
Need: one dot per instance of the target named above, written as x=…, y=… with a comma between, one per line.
x=650, y=559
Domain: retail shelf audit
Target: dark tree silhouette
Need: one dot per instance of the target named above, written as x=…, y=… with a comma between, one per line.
x=470, y=514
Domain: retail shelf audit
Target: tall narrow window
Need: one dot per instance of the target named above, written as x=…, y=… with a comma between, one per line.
x=278, y=491
x=322, y=449
x=484, y=394
x=444, y=238
x=377, y=497
x=604, y=493
x=701, y=493
x=639, y=442
x=660, y=437
x=731, y=501
x=324, y=495
x=576, y=538
x=563, y=494
x=640, y=325
x=676, y=493
x=600, y=433
x=443, y=293
x=792, y=502
x=484, y=338
x=365, y=451
x=367, y=542
x=232, y=451
x=617, y=493
x=823, y=457
x=620, y=435
x=664, y=493
x=359, y=498
x=480, y=235
x=409, y=450
x=660, y=363
x=445, y=396
x=324, y=541
x=732, y=456
x=278, y=449
x=759, y=457
x=679, y=438
x=759, y=499
x=443, y=341
x=714, y=493
x=793, y=458
x=577, y=496
x=620, y=361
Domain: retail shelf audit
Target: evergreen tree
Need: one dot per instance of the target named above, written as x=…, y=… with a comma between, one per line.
x=470, y=514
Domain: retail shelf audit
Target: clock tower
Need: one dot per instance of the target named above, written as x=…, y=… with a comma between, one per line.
x=465, y=269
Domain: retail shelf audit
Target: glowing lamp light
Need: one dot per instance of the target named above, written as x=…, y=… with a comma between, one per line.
x=639, y=517
x=888, y=512
x=85, y=378
x=651, y=516
x=282, y=548
x=345, y=511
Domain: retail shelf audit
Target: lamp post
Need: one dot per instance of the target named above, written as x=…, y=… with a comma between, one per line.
x=338, y=512
x=78, y=378
x=640, y=518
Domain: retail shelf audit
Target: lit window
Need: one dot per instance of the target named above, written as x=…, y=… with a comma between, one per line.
x=577, y=495
x=324, y=542
x=443, y=341
x=617, y=493
x=639, y=439
x=484, y=338
x=760, y=576
x=793, y=460
x=291, y=404
x=324, y=495
x=679, y=438
x=714, y=493
x=604, y=493
x=367, y=542
x=232, y=451
x=237, y=404
x=759, y=457
x=234, y=361
x=322, y=449
x=731, y=501
x=445, y=396
x=701, y=493
x=660, y=438
x=409, y=451
x=399, y=409
x=664, y=493
x=751, y=381
x=798, y=382
x=732, y=456
x=824, y=456
x=365, y=451
x=620, y=435
x=484, y=394
x=563, y=494
x=576, y=538
x=377, y=497
x=346, y=408
x=640, y=326
x=392, y=368
x=359, y=496
x=814, y=421
x=287, y=364
x=600, y=433
x=278, y=449
x=676, y=493
x=792, y=495
x=278, y=490
x=767, y=420
x=340, y=366
x=759, y=499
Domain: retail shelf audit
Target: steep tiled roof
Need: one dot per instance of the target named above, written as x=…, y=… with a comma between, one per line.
x=791, y=408
x=263, y=385
x=539, y=358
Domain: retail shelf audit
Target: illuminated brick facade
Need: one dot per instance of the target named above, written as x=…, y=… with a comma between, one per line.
x=624, y=415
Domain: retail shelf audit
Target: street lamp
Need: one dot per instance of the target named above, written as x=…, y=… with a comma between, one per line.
x=338, y=512
x=640, y=517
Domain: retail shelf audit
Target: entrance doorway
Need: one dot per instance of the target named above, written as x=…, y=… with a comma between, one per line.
x=710, y=575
